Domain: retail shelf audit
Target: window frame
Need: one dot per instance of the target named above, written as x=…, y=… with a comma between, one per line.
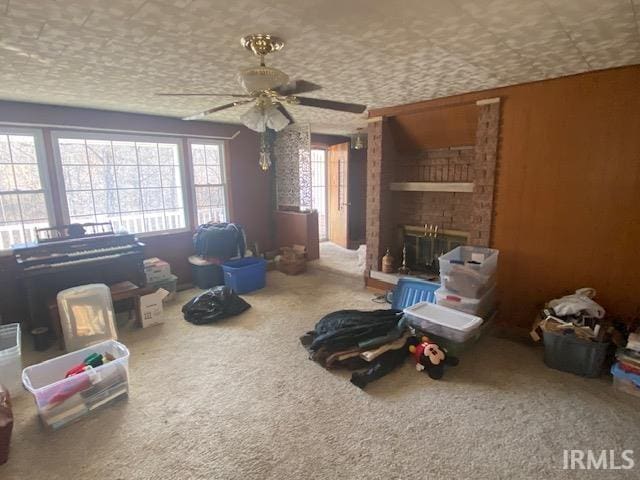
x=43, y=171
x=223, y=169
x=56, y=135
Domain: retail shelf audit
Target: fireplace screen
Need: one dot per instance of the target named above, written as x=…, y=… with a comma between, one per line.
x=424, y=246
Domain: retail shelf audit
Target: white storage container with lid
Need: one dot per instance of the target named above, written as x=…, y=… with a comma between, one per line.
x=62, y=400
x=442, y=321
x=86, y=315
x=477, y=260
x=482, y=307
x=467, y=282
x=10, y=358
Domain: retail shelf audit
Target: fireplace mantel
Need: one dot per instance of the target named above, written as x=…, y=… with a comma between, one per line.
x=462, y=187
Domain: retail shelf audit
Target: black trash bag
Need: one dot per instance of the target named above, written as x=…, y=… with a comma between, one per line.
x=215, y=304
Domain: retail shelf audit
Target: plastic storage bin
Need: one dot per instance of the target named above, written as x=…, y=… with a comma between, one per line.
x=456, y=348
x=482, y=307
x=625, y=381
x=479, y=259
x=6, y=424
x=442, y=321
x=63, y=400
x=245, y=275
x=410, y=291
x=10, y=358
x=205, y=274
x=170, y=285
x=86, y=315
x=574, y=355
x=467, y=282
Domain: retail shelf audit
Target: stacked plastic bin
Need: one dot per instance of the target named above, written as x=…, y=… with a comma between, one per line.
x=61, y=400
x=10, y=358
x=468, y=278
x=453, y=330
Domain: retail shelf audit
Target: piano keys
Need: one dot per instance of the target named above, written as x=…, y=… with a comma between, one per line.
x=54, y=265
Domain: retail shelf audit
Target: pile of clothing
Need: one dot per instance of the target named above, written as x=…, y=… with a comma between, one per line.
x=576, y=314
x=220, y=241
x=373, y=342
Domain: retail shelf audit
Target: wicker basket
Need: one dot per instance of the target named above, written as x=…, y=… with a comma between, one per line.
x=6, y=424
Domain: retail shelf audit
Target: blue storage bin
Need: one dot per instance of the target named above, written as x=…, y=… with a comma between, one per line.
x=410, y=291
x=245, y=275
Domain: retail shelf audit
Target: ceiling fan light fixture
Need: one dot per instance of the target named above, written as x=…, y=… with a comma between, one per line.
x=254, y=119
x=275, y=119
x=260, y=78
x=260, y=117
x=359, y=140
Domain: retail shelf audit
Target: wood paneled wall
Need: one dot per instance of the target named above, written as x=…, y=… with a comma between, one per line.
x=451, y=126
x=567, y=200
x=295, y=228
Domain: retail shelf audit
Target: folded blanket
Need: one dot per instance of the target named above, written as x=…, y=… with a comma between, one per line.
x=371, y=355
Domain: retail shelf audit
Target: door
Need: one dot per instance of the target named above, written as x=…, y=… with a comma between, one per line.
x=338, y=201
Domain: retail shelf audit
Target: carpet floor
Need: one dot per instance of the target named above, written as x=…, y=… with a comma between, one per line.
x=340, y=260
x=240, y=400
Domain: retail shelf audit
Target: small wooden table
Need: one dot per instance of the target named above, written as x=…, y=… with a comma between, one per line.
x=119, y=292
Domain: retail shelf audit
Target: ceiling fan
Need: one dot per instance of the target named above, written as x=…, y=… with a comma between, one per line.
x=269, y=90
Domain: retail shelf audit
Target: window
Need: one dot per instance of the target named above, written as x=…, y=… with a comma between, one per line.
x=209, y=181
x=319, y=188
x=23, y=193
x=136, y=183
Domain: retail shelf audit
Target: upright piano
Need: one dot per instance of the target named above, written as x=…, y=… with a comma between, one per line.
x=74, y=256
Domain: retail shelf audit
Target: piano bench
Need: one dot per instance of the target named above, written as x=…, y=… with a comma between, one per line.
x=119, y=292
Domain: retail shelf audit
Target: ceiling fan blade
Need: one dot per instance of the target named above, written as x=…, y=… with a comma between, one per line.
x=331, y=105
x=216, y=109
x=285, y=112
x=297, y=86
x=238, y=95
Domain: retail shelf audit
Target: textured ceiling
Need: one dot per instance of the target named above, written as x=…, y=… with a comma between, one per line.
x=114, y=54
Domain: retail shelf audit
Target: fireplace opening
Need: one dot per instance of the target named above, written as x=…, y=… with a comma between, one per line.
x=425, y=244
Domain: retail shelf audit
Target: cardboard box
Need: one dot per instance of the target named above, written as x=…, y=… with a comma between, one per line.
x=170, y=285
x=292, y=268
x=156, y=270
x=292, y=261
x=151, y=308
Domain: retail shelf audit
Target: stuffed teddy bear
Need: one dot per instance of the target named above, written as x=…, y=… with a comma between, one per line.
x=430, y=358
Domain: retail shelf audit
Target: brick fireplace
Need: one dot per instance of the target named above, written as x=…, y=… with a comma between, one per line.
x=451, y=187
x=450, y=210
